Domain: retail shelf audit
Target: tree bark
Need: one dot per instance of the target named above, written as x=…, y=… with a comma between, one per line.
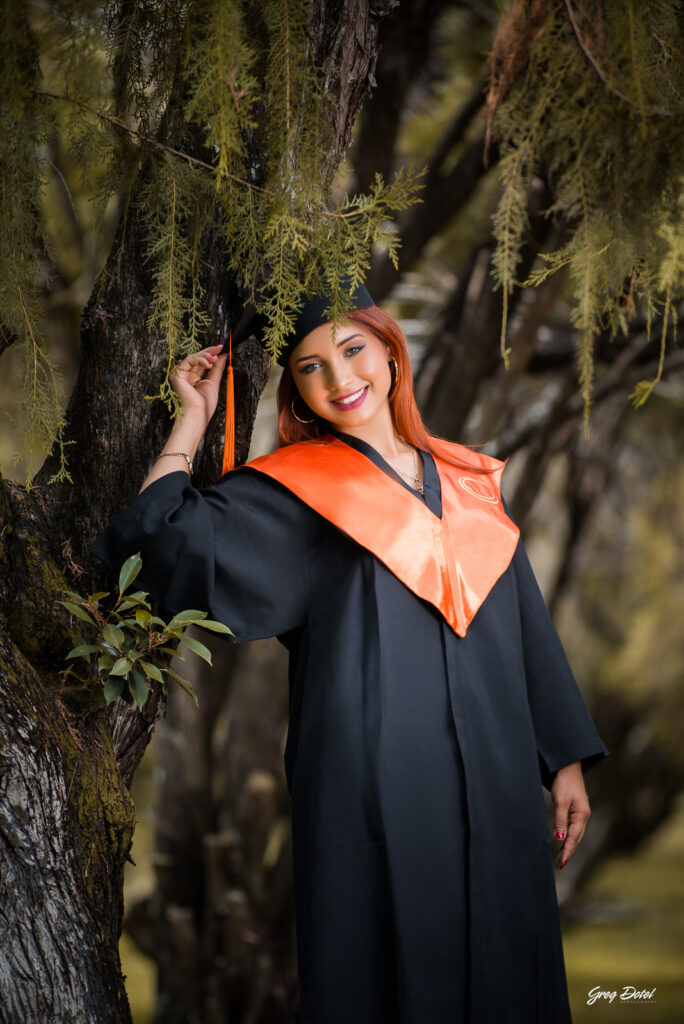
x=66, y=817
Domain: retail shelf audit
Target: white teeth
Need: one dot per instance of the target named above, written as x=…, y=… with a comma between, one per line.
x=349, y=398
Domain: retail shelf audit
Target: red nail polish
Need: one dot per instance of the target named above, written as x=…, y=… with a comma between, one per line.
x=560, y=835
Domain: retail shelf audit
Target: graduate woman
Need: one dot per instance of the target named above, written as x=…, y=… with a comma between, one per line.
x=430, y=696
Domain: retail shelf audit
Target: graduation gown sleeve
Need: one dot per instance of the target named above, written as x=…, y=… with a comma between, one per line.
x=237, y=550
x=564, y=729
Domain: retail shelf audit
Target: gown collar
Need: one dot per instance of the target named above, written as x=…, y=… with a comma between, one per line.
x=453, y=561
x=431, y=483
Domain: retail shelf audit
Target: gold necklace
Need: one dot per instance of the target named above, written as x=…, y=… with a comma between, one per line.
x=415, y=481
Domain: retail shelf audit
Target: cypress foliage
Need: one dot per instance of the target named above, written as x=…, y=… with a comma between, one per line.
x=25, y=127
x=130, y=86
x=590, y=96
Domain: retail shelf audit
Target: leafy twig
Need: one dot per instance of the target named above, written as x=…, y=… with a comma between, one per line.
x=131, y=650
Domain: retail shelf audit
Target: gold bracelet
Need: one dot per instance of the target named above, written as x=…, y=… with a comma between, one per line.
x=182, y=456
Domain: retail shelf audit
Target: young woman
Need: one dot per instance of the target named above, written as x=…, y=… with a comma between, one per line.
x=430, y=696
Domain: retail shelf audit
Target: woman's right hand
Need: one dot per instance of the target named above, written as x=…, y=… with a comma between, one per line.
x=196, y=388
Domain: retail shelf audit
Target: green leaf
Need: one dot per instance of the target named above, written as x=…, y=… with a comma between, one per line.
x=106, y=661
x=216, y=627
x=79, y=612
x=129, y=570
x=80, y=652
x=183, y=683
x=131, y=602
x=197, y=647
x=94, y=598
x=138, y=688
x=142, y=617
x=114, y=636
x=190, y=615
x=133, y=625
x=113, y=688
x=172, y=651
x=151, y=671
x=121, y=667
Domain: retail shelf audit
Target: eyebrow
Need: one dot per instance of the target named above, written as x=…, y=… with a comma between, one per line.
x=315, y=355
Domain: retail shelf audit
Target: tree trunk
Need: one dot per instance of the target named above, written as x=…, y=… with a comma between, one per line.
x=220, y=922
x=66, y=817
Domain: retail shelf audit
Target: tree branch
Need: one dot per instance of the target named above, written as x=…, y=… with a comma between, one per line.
x=599, y=71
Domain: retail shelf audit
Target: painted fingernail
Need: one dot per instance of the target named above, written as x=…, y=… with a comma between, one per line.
x=560, y=835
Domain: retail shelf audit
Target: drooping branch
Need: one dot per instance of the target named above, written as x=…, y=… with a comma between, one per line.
x=119, y=358
x=141, y=136
x=572, y=18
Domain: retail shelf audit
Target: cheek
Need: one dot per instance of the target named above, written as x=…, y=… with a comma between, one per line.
x=309, y=387
x=374, y=365
x=382, y=371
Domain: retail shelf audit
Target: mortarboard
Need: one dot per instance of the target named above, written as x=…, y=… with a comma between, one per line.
x=313, y=313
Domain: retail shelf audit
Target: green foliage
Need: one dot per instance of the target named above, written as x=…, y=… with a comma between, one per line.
x=131, y=646
x=199, y=116
x=25, y=126
x=598, y=113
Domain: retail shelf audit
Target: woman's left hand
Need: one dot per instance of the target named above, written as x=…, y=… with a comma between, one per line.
x=571, y=809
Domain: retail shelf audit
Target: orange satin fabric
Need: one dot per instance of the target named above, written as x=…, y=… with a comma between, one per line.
x=452, y=562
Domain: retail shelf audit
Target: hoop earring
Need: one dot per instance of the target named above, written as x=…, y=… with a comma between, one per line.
x=295, y=414
x=396, y=375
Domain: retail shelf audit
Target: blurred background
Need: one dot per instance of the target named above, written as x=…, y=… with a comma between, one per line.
x=601, y=517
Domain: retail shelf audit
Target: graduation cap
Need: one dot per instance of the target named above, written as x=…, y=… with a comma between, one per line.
x=313, y=313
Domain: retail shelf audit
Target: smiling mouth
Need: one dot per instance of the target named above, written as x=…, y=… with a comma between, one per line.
x=352, y=400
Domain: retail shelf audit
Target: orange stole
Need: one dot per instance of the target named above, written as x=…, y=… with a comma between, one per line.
x=452, y=562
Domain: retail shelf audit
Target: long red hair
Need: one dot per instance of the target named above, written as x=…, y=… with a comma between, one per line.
x=405, y=415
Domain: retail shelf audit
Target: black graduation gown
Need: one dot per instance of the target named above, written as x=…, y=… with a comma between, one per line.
x=423, y=865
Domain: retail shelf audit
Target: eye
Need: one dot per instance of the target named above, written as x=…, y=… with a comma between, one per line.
x=309, y=367
x=353, y=349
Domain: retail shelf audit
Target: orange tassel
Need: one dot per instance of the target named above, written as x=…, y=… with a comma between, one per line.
x=229, y=435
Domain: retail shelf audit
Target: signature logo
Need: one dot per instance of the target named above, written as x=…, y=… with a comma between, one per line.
x=629, y=992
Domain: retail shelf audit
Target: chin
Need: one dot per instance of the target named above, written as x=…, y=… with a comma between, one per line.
x=351, y=419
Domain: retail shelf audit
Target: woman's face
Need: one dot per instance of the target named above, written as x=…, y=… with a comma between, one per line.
x=346, y=380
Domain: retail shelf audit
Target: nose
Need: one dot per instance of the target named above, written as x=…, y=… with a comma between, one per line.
x=339, y=376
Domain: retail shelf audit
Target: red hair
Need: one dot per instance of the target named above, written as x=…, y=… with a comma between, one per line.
x=405, y=415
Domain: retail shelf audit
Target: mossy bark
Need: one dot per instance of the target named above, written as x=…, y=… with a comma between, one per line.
x=66, y=817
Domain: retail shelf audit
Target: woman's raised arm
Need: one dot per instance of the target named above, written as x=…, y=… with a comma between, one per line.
x=237, y=550
x=199, y=396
